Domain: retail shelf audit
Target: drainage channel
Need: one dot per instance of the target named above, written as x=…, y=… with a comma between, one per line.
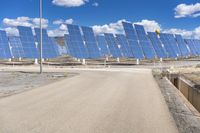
x=189, y=88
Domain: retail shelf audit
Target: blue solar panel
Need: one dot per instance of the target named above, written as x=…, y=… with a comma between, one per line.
x=197, y=45
x=16, y=47
x=28, y=42
x=182, y=46
x=4, y=46
x=124, y=46
x=103, y=47
x=168, y=45
x=159, y=49
x=90, y=42
x=70, y=47
x=147, y=47
x=193, y=50
x=56, y=47
x=133, y=40
x=48, y=50
x=75, y=43
x=112, y=44
x=174, y=44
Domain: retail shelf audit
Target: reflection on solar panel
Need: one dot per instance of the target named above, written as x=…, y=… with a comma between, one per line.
x=168, y=45
x=75, y=43
x=193, y=50
x=182, y=46
x=4, y=46
x=144, y=42
x=159, y=49
x=133, y=40
x=124, y=46
x=103, y=47
x=90, y=42
x=174, y=44
x=197, y=46
x=16, y=47
x=48, y=50
x=55, y=45
x=28, y=42
x=114, y=49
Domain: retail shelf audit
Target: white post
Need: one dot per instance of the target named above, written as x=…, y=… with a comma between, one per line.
x=9, y=60
x=84, y=62
x=161, y=59
x=36, y=62
x=138, y=62
x=20, y=59
x=107, y=59
x=118, y=60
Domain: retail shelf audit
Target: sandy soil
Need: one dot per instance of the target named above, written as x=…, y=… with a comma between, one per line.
x=17, y=82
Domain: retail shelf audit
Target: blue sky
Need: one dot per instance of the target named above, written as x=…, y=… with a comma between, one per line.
x=169, y=15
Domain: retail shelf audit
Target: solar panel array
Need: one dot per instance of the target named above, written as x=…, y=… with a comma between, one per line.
x=28, y=42
x=133, y=41
x=124, y=46
x=90, y=42
x=113, y=46
x=182, y=46
x=4, y=46
x=159, y=49
x=48, y=49
x=145, y=42
x=16, y=47
x=103, y=47
x=75, y=43
x=168, y=46
x=82, y=43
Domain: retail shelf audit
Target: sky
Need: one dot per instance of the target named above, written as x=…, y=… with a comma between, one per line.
x=170, y=16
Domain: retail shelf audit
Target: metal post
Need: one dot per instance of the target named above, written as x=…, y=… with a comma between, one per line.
x=41, y=37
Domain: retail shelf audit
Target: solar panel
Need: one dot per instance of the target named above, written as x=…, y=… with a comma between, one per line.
x=4, y=46
x=192, y=49
x=174, y=44
x=133, y=40
x=16, y=47
x=90, y=42
x=168, y=45
x=103, y=47
x=159, y=49
x=145, y=42
x=28, y=42
x=124, y=46
x=112, y=44
x=48, y=50
x=182, y=45
x=197, y=46
x=75, y=43
x=56, y=47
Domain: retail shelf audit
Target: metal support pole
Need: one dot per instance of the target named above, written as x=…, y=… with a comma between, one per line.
x=41, y=37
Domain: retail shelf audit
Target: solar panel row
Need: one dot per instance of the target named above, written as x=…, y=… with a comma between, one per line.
x=82, y=43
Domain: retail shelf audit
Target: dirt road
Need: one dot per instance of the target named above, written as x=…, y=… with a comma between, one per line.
x=92, y=102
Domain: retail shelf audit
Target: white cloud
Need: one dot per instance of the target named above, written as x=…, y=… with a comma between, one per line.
x=20, y=21
x=115, y=28
x=184, y=10
x=95, y=4
x=36, y=22
x=70, y=3
x=150, y=25
x=60, y=21
x=25, y=21
x=184, y=33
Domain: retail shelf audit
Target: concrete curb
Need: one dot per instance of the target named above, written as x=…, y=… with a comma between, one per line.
x=187, y=118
